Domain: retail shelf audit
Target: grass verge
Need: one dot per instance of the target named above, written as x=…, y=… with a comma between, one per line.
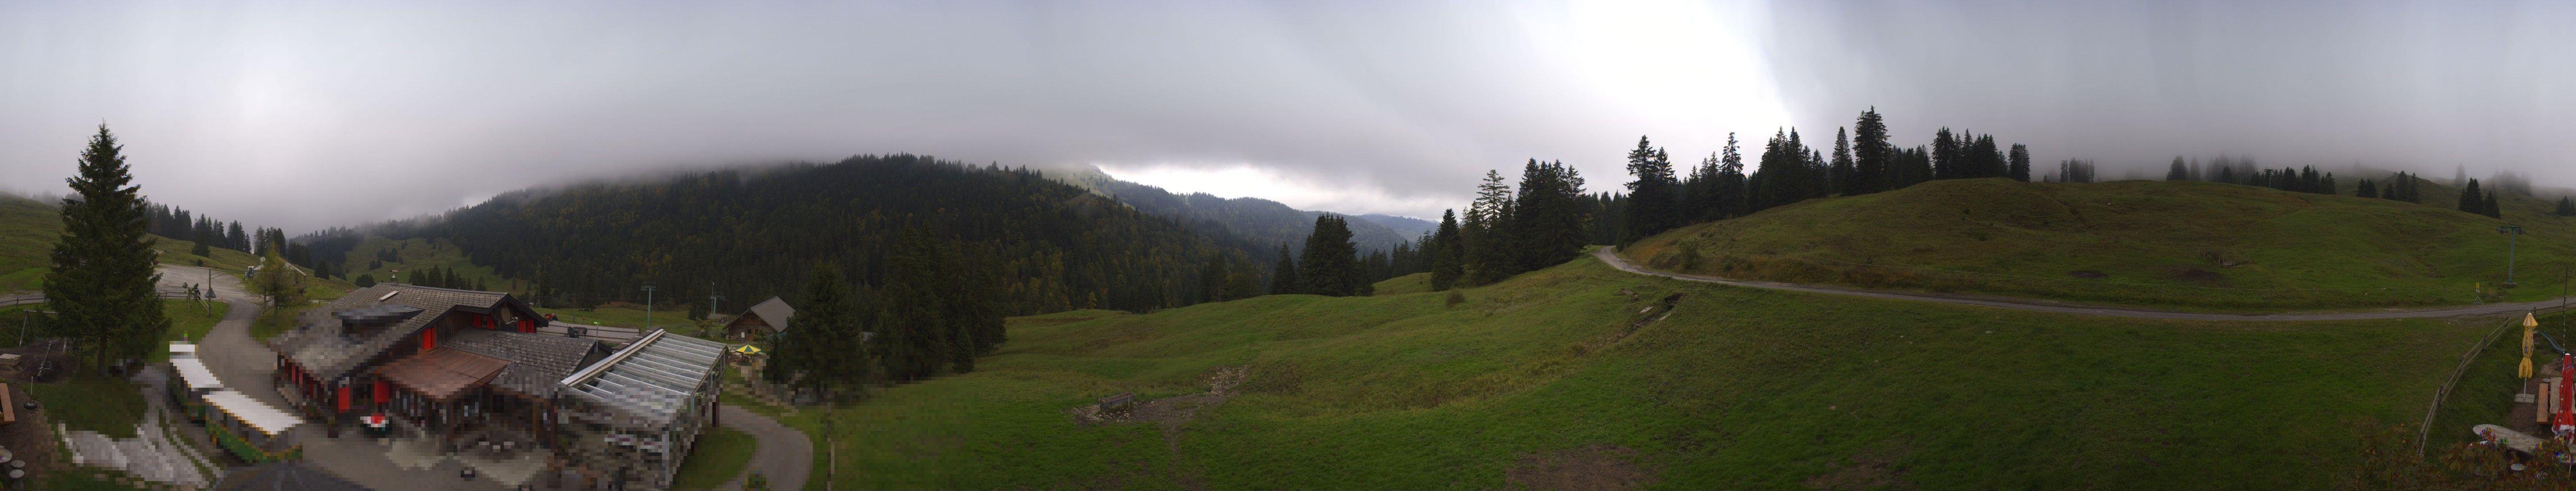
x=109, y=406
x=719, y=456
x=190, y=321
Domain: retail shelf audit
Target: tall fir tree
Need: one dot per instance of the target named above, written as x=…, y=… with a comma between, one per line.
x=2471, y=199
x=2489, y=206
x=1946, y=163
x=1283, y=278
x=1330, y=264
x=1847, y=178
x=1871, y=156
x=1487, y=226
x=1550, y=215
x=827, y=355
x=2178, y=171
x=1448, y=253
x=1653, y=195
x=101, y=284
x=2019, y=168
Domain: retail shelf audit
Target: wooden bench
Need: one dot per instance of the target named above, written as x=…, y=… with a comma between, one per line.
x=1117, y=403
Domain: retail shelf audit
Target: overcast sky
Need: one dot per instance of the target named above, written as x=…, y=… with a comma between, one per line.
x=305, y=115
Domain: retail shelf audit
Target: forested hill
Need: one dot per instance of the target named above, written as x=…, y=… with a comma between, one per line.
x=1260, y=223
x=759, y=232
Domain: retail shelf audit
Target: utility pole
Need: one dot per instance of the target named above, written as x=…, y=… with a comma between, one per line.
x=712, y=298
x=2511, y=232
x=648, y=305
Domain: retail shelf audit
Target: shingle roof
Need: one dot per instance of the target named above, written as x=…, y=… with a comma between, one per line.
x=442, y=373
x=321, y=348
x=773, y=311
x=536, y=361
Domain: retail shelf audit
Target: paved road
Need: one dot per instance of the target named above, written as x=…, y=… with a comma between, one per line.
x=1615, y=261
x=784, y=455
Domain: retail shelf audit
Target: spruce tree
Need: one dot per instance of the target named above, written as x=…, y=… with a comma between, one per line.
x=1487, y=230
x=1550, y=217
x=2367, y=189
x=1846, y=177
x=1283, y=278
x=1728, y=193
x=1872, y=158
x=1448, y=253
x=2020, y=165
x=824, y=353
x=2471, y=200
x=101, y=285
x=1653, y=196
x=2489, y=207
x=2566, y=207
x=1330, y=264
x=2178, y=171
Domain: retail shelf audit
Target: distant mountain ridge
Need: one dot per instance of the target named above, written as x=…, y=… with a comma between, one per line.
x=1407, y=226
x=1253, y=223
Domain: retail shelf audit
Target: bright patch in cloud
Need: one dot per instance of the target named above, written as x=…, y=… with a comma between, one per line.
x=1247, y=180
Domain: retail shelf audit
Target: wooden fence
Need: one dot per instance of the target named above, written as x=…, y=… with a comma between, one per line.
x=2424, y=432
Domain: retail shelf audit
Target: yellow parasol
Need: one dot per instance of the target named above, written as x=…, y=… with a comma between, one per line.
x=748, y=350
x=2528, y=322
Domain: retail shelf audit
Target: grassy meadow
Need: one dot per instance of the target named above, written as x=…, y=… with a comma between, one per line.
x=1739, y=389
x=28, y=230
x=621, y=314
x=188, y=320
x=720, y=455
x=415, y=254
x=2170, y=244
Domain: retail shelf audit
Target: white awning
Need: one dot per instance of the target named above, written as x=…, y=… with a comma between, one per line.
x=194, y=372
x=183, y=350
x=259, y=415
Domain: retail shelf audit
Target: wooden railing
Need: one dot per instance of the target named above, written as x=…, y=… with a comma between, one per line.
x=2424, y=432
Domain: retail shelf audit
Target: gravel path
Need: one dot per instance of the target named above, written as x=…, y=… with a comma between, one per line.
x=784, y=455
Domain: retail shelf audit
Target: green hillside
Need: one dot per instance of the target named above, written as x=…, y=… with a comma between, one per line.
x=27, y=233
x=1530, y=383
x=415, y=254
x=2189, y=244
x=28, y=229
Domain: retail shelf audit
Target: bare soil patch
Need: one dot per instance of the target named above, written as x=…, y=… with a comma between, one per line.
x=1866, y=470
x=1169, y=413
x=1595, y=467
x=2197, y=275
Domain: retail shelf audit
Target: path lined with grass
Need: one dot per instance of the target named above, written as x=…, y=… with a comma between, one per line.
x=2036, y=305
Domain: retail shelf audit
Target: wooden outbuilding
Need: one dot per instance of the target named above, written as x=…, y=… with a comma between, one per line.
x=767, y=318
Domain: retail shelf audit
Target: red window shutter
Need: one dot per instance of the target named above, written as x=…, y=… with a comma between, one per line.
x=344, y=398
x=429, y=339
x=380, y=392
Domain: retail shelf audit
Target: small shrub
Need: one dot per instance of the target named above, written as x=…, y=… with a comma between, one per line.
x=1454, y=299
